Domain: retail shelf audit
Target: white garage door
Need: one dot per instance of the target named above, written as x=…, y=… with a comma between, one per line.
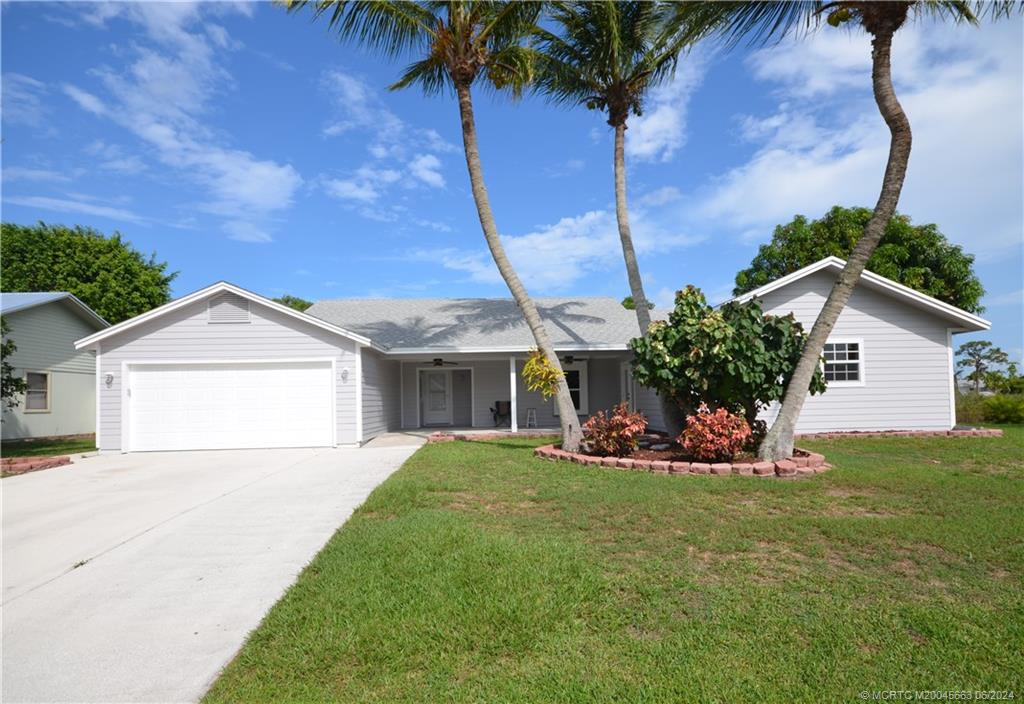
x=226, y=406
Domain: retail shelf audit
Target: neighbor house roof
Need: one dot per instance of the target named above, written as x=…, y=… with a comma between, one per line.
x=13, y=302
x=422, y=325
x=965, y=321
x=219, y=287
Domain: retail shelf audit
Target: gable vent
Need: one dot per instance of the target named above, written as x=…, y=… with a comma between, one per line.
x=228, y=308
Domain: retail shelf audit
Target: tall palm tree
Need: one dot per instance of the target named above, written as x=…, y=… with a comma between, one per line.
x=607, y=55
x=454, y=45
x=763, y=20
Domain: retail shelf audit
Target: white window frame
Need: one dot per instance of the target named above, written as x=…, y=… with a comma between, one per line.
x=49, y=392
x=581, y=366
x=861, y=361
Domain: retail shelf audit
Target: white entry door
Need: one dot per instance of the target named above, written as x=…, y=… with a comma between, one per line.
x=437, y=398
x=213, y=406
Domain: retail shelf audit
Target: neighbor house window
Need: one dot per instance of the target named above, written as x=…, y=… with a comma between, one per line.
x=576, y=380
x=37, y=392
x=844, y=362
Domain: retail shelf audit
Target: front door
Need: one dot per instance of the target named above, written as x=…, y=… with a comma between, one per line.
x=437, y=398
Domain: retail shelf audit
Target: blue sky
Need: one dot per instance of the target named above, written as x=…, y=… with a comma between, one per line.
x=241, y=143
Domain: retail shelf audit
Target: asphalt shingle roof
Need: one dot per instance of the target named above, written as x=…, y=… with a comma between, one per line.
x=15, y=301
x=446, y=323
x=10, y=302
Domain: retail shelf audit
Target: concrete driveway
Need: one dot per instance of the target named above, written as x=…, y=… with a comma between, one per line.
x=135, y=578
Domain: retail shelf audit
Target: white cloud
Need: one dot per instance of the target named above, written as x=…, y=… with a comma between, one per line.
x=349, y=189
x=112, y=157
x=661, y=131
x=426, y=167
x=661, y=196
x=568, y=167
x=1013, y=298
x=825, y=144
x=555, y=256
x=245, y=232
x=399, y=154
x=161, y=95
x=67, y=205
x=19, y=173
x=22, y=99
x=86, y=101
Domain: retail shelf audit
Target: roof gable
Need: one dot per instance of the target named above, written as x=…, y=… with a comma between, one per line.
x=219, y=287
x=964, y=320
x=17, y=301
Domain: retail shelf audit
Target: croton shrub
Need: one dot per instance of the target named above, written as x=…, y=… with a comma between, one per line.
x=734, y=357
x=715, y=436
x=614, y=434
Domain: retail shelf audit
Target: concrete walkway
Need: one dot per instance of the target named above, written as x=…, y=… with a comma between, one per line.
x=136, y=578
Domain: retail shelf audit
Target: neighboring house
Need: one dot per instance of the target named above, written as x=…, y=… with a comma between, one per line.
x=889, y=359
x=60, y=398
x=226, y=368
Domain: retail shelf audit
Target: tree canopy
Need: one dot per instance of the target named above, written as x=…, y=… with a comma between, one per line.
x=980, y=358
x=106, y=273
x=299, y=304
x=918, y=256
x=734, y=357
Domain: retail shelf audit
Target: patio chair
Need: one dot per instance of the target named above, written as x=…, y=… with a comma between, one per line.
x=502, y=413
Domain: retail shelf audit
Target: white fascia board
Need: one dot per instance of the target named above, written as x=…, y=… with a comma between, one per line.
x=219, y=287
x=970, y=321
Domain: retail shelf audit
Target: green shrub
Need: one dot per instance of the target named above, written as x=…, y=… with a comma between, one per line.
x=1004, y=408
x=970, y=408
x=973, y=409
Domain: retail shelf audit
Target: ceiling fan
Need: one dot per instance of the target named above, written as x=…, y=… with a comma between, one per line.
x=438, y=362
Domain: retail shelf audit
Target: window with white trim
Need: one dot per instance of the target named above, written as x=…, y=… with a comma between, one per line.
x=37, y=392
x=843, y=362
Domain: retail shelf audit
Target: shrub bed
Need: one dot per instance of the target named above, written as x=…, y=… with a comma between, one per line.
x=802, y=464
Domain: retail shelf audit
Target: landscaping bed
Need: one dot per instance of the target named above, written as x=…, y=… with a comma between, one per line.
x=801, y=464
x=13, y=466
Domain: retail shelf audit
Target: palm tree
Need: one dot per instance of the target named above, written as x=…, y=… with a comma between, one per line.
x=455, y=44
x=763, y=20
x=606, y=56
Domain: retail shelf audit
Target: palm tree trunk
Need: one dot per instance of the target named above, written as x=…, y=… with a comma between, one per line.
x=571, y=432
x=636, y=284
x=779, y=441
x=671, y=415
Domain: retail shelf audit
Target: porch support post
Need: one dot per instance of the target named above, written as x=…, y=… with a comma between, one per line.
x=512, y=391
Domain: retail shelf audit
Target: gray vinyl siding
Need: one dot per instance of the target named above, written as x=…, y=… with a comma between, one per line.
x=186, y=335
x=647, y=402
x=45, y=338
x=905, y=361
x=381, y=394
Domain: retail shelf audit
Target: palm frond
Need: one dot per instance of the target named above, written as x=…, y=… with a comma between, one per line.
x=430, y=74
x=391, y=27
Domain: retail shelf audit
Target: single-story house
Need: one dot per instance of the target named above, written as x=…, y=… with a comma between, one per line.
x=226, y=368
x=60, y=395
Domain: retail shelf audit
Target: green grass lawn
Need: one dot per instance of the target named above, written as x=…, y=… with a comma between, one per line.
x=47, y=448
x=477, y=573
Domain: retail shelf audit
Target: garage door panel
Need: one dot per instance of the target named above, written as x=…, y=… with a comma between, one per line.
x=221, y=406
